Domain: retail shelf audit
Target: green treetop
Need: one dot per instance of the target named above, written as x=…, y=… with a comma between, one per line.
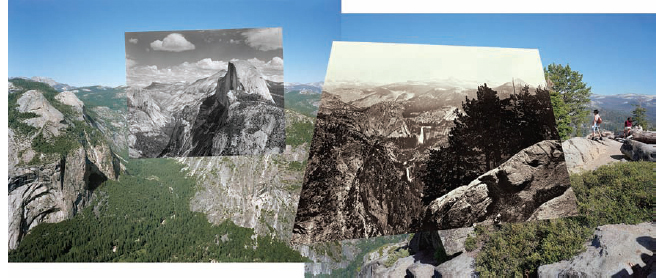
x=574, y=92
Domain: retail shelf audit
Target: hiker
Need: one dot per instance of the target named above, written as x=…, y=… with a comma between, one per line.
x=596, y=122
x=627, y=126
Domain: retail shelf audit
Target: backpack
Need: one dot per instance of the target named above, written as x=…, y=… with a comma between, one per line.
x=599, y=120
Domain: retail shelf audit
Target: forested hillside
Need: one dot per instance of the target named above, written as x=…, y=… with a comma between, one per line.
x=145, y=216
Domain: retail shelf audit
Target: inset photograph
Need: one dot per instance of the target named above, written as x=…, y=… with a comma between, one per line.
x=205, y=92
x=424, y=137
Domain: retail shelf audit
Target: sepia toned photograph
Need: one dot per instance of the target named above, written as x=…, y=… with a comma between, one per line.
x=421, y=137
x=205, y=92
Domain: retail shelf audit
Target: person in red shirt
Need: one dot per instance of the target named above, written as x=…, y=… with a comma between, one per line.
x=627, y=127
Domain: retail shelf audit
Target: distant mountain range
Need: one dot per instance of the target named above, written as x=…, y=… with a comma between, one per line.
x=625, y=103
x=307, y=88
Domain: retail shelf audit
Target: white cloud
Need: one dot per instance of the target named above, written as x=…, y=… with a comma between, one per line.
x=130, y=63
x=173, y=42
x=264, y=39
x=185, y=72
x=272, y=70
x=189, y=72
x=133, y=40
x=276, y=61
x=209, y=64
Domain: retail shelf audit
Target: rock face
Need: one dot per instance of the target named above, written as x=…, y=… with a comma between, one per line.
x=584, y=154
x=384, y=263
x=454, y=239
x=511, y=192
x=355, y=185
x=69, y=98
x=259, y=192
x=230, y=113
x=46, y=187
x=636, y=151
x=460, y=266
x=616, y=250
x=49, y=118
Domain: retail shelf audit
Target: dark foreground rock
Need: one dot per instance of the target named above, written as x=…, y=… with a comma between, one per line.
x=512, y=192
x=615, y=251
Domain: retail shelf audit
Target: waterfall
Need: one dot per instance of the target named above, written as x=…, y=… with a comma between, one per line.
x=407, y=173
x=421, y=137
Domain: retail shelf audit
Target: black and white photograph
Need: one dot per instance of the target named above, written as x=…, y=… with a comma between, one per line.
x=425, y=137
x=205, y=92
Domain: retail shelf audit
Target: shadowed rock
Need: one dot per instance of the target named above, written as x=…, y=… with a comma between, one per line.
x=511, y=192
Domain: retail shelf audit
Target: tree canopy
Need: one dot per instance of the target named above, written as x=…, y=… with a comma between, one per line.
x=574, y=92
x=640, y=117
x=486, y=133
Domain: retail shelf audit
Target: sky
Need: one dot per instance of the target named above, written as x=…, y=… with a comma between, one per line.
x=386, y=63
x=174, y=56
x=82, y=43
x=614, y=53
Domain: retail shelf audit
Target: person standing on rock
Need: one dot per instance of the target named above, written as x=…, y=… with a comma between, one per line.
x=596, y=122
x=627, y=126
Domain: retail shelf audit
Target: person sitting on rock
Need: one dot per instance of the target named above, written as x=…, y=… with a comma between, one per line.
x=627, y=126
x=596, y=122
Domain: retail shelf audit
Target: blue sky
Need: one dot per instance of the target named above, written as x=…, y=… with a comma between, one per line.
x=83, y=43
x=615, y=53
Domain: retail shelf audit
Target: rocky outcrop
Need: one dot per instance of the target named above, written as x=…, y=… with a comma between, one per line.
x=355, y=186
x=47, y=187
x=328, y=256
x=259, y=192
x=460, y=266
x=584, y=154
x=70, y=99
x=49, y=118
x=454, y=239
x=230, y=113
x=511, y=192
x=636, y=151
x=615, y=251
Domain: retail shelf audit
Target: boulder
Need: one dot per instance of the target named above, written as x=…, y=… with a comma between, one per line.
x=511, y=192
x=581, y=153
x=648, y=137
x=636, y=151
x=419, y=270
x=561, y=206
x=460, y=266
x=454, y=239
x=615, y=251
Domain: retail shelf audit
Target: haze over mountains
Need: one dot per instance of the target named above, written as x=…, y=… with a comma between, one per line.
x=625, y=103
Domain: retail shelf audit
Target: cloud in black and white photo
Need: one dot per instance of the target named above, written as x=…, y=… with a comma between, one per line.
x=264, y=39
x=173, y=42
x=186, y=56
